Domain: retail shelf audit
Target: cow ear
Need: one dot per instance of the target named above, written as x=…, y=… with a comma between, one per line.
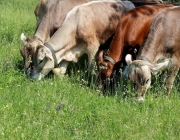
x=23, y=37
x=128, y=59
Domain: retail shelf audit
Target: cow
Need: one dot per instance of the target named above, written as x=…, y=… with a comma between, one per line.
x=41, y=10
x=160, y=52
x=129, y=36
x=54, y=15
x=52, y=20
x=83, y=30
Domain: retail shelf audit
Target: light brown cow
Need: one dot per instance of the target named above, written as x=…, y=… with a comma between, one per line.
x=161, y=51
x=84, y=29
x=56, y=10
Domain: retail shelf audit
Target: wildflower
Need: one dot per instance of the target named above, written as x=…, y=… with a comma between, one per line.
x=0, y=88
x=78, y=71
x=159, y=124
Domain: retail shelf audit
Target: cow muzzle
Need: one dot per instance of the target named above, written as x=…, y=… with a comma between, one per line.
x=38, y=76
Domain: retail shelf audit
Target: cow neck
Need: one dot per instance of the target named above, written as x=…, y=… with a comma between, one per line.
x=115, y=50
x=43, y=31
x=53, y=53
x=38, y=39
x=144, y=58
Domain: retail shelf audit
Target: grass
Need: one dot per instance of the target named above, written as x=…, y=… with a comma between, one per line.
x=66, y=108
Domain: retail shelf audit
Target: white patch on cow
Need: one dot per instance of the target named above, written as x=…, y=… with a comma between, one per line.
x=128, y=59
x=59, y=71
x=74, y=53
x=160, y=66
x=145, y=68
x=23, y=37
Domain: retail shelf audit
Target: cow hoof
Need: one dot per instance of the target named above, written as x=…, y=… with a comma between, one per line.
x=58, y=72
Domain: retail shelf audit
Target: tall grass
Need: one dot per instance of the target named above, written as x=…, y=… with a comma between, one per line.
x=68, y=108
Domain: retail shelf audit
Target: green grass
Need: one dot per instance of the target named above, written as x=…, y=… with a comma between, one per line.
x=66, y=108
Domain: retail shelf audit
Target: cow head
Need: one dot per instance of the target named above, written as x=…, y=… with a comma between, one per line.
x=28, y=49
x=139, y=72
x=105, y=68
x=43, y=62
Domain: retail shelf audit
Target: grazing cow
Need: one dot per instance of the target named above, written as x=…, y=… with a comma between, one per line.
x=41, y=10
x=79, y=34
x=54, y=15
x=52, y=20
x=131, y=31
x=161, y=51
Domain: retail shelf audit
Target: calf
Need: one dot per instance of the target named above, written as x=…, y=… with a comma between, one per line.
x=130, y=34
x=161, y=51
x=83, y=30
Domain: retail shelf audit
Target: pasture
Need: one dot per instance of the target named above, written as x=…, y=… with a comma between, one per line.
x=70, y=108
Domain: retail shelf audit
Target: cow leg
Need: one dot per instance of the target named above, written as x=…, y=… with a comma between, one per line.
x=170, y=79
x=92, y=50
x=62, y=69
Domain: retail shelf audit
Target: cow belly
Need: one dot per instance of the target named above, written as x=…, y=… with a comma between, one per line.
x=74, y=53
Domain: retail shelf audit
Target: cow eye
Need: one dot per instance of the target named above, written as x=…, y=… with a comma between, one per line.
x=40, y=61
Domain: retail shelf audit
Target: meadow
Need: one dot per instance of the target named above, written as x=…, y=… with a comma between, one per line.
x=69, y=108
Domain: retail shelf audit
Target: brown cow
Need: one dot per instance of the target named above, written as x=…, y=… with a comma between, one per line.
x=131, y=31
x=161, y=51
x=79, y=34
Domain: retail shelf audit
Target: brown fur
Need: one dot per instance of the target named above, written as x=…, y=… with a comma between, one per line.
x=131, y=32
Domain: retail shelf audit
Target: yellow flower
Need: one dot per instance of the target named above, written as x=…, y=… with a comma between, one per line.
x=78, y=71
